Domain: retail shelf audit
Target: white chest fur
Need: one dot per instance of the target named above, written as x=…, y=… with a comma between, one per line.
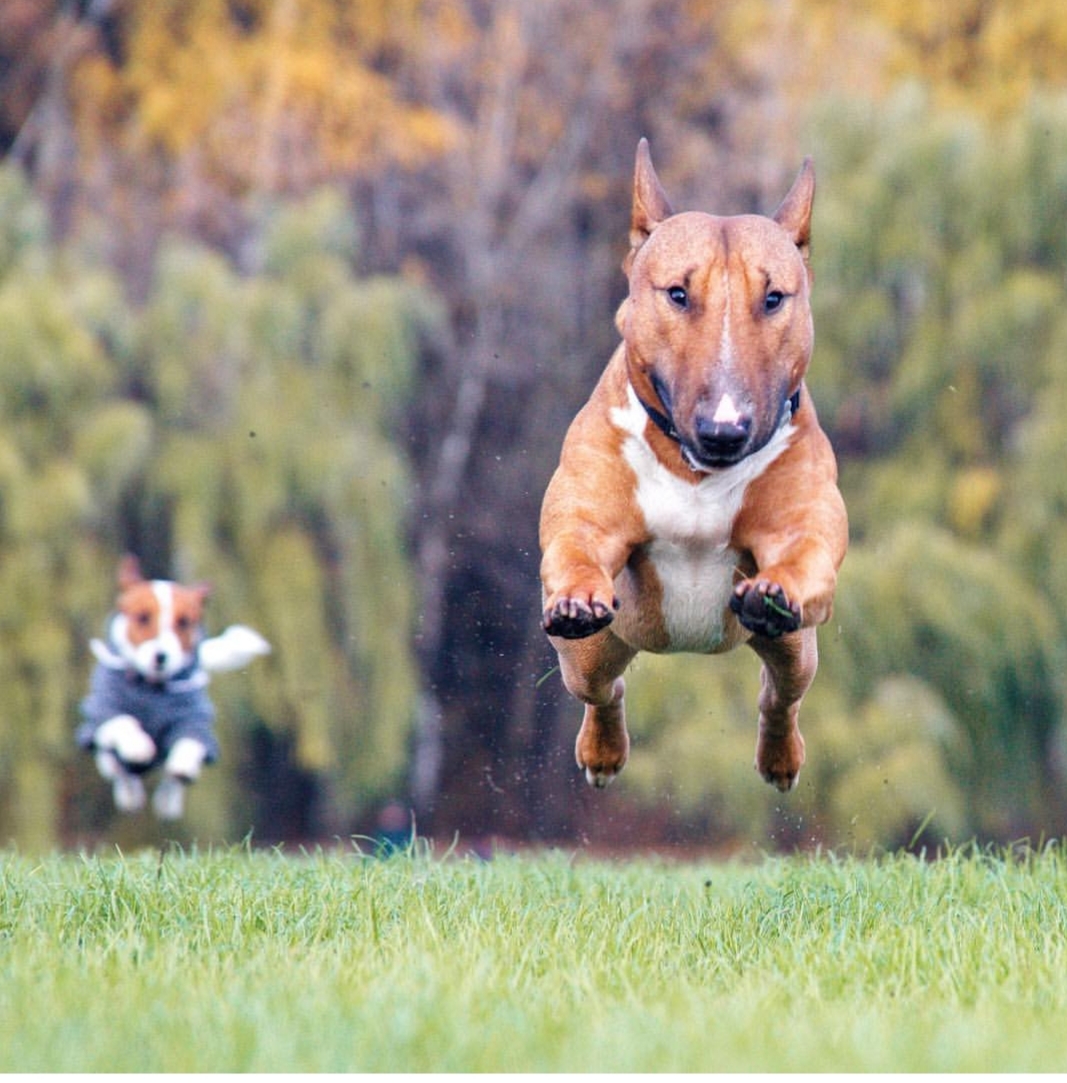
x=690, y=523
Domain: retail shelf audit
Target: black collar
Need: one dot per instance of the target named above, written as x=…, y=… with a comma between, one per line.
x=665, y=424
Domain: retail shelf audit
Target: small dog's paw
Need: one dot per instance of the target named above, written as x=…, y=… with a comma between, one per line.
x=124, y=736
x=570, y=618
x=232, y=649
x=168, y=802
x=127, y=792
x=763, y=608
x=185, y=759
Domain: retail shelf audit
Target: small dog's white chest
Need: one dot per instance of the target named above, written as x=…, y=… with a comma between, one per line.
x=690, y=524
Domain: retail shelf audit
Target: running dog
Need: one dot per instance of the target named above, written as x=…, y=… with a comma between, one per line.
x=148, y=705
x=695, y=506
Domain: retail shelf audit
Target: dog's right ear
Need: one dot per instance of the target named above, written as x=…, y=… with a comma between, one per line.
x=650, y=204
x=794, y=213
x=129, y=572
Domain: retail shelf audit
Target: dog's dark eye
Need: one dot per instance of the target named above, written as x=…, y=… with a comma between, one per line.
x=678, y=296
x=142, y=619
x=773, y=301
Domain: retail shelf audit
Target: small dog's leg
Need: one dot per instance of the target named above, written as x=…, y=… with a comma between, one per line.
x=127, y=790
x=124, y=736
x=185, y=759
x=789, y=665
x=181, y=767
x=592, y=672
x=168, y=802
x=232, y=649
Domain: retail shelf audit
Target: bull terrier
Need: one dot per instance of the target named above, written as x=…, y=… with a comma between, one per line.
x=695, y=506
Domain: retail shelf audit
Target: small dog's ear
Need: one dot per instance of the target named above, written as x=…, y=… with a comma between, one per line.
x=129, y=572
x=202, y=589
x=650, y=205
x=794, y=213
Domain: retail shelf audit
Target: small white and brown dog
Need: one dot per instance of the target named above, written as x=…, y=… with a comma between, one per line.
x=147, y=705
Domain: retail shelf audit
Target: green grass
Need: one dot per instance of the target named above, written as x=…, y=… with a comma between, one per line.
x=241, y=960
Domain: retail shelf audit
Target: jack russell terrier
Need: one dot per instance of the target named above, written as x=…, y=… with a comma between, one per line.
x=148, y=705
x=695, y=506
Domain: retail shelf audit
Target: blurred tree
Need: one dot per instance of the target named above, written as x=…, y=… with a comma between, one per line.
x=279, y=480
x=235, y=429
x=55, y=381
x=989, y=55
x=985, y=56
x=190, y=113
x=487, y=151
x=941, y=326
x=522, y=226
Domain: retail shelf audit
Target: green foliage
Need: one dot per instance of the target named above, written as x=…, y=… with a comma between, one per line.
x=341, y=963
x=239, y=426
x=941, y=326
x=23, y=222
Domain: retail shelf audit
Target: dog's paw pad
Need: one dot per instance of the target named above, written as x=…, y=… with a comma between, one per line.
x=764, y=609
x=574, y=619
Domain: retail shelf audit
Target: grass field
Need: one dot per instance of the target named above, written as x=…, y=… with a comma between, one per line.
x=241, y=960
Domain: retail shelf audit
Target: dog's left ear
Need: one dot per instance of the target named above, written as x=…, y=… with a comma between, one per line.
x=794, y=214
x=650, y=205
x=129, y=572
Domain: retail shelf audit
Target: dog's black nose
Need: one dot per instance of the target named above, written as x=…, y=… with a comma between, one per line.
x=722, y=441
x=161, y=659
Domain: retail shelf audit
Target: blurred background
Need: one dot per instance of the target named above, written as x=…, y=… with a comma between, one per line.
x=299, y=297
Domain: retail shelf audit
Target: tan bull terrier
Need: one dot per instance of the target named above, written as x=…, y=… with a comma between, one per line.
x=695, y=506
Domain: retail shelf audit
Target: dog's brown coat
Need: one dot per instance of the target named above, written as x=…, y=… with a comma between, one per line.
x=717, y=326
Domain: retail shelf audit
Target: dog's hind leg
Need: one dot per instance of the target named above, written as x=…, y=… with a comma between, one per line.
x=789, y=664
x=592, y=671
x=127, y=790
x=168, y=802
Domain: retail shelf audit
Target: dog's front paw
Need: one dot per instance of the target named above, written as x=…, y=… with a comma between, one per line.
x=572, y=618
x=185, y=759
x=763, y=608
x=124, y=736
x=232, y=649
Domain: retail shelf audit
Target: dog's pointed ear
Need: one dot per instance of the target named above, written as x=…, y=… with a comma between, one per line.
x=794, y=213
x=129, y=572
x=650, y=204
